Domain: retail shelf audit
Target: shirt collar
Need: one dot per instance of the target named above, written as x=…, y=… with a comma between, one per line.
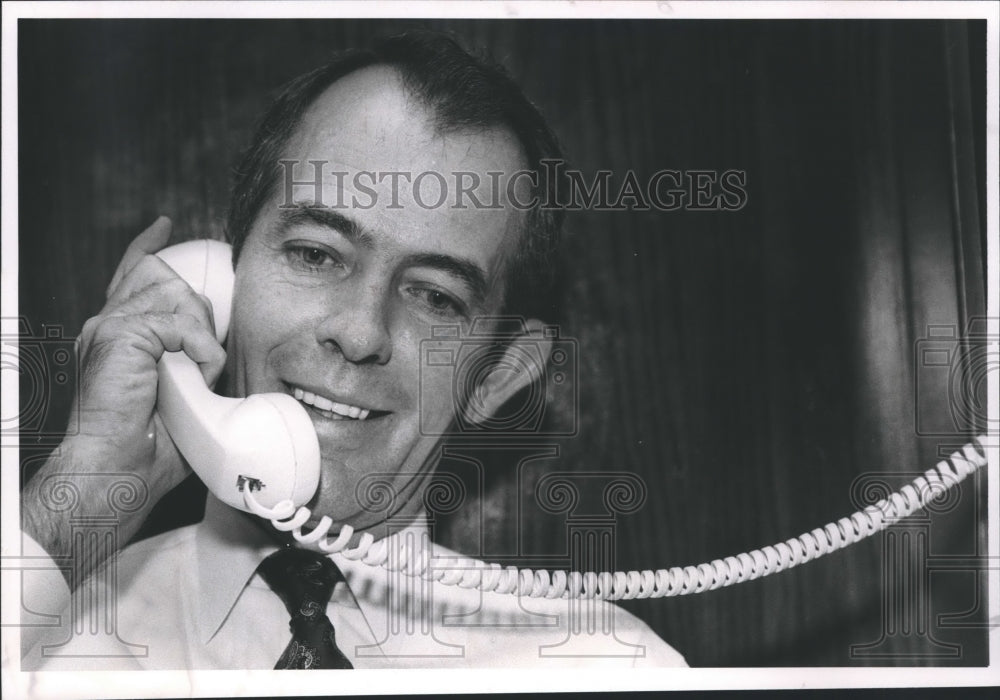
x=230, y=547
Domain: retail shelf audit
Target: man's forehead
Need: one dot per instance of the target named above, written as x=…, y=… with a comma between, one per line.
x=370, y=120
x=369, y=123
x=365, y=120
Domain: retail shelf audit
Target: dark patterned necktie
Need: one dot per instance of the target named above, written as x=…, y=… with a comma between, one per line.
x=304, y=581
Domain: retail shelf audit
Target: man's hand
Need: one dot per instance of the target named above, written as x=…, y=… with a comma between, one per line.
x=149, y=310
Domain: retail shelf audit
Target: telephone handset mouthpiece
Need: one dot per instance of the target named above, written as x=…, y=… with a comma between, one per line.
x=264, y=443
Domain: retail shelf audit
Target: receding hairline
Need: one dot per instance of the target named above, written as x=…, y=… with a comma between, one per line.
x=391, y=75
x=432, y=119
x=466, y=92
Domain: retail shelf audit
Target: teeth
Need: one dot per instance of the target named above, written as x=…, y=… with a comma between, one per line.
x=325, y=404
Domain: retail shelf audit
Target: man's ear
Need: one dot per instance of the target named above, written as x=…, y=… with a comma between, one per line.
x=522, y=363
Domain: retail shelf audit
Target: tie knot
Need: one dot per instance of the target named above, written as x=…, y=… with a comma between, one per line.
x=303, y=580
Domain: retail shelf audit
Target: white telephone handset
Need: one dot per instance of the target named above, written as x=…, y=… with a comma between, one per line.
x=260, y=454
x=265, y=442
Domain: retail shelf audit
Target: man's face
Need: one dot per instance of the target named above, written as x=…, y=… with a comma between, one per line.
x=336, y=301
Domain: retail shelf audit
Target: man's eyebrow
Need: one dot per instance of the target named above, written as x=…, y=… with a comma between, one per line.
x=307, y=214
x=468, y=271
x=471, y=273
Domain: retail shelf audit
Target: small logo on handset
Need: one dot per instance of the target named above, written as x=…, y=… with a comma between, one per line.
x=249, y=482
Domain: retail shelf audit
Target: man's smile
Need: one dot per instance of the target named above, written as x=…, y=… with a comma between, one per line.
x=330, y=406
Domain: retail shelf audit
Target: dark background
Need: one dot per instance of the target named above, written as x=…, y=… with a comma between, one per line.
x=747, y=366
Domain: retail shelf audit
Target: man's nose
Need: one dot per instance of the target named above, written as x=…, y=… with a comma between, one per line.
x=357, y=325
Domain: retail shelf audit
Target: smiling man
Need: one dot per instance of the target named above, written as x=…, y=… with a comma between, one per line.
x=340, y=276
x=333, y=303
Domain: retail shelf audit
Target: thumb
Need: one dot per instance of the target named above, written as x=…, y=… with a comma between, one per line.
x=153, y=239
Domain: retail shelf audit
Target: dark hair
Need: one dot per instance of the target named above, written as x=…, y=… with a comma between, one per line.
x=463, y=93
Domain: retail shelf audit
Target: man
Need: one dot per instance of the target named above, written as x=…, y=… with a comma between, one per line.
x=341, y=272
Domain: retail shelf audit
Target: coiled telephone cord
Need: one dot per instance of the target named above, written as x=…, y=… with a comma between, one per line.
x=622, y=585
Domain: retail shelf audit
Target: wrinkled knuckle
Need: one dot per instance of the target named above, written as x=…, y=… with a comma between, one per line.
x=93, y=363
x=89, y=326
x=189, y=323
x=103, y=328
x=175, y=283
x=158, y=317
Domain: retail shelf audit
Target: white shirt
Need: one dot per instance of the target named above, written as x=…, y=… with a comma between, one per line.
x=191, y=599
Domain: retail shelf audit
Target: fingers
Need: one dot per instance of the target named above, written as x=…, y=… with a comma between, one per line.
x=153, y=333
x=150, y=241
x=150, y=309
x=151, y=285
x=181, y=332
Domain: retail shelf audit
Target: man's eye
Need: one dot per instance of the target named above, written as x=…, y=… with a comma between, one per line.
x=310, y=257
x=438, y=302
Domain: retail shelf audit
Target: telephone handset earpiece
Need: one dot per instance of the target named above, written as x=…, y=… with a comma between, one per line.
x=260, y=454
x=265, y=442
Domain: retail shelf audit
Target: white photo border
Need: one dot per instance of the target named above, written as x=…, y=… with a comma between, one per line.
x=263, y=683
